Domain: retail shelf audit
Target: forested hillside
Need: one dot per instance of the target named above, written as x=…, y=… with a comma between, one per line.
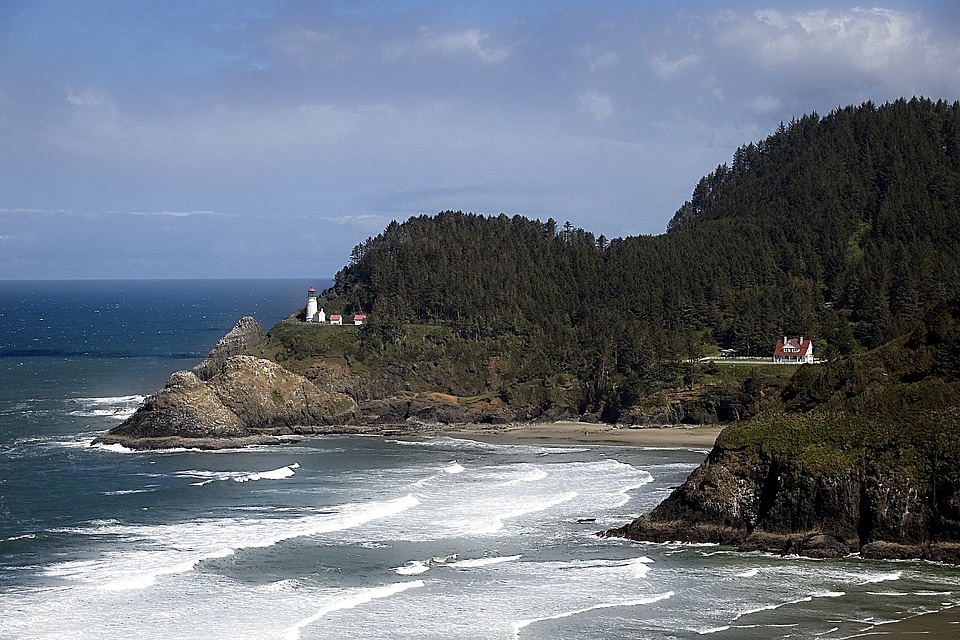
x=842, y=228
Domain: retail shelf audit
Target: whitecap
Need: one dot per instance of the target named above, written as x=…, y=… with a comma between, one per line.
x=883, y=577
x=454, y=467
x=207, y=477
x=520, y=624
x=751, y=573
x=412, y=568
x=349, y=600
x=482, y=562
x=178, y=548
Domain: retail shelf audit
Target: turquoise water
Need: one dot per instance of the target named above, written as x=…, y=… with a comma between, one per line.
x=349, y=537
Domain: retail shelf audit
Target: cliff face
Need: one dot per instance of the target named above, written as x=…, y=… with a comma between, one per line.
x=760, y=503
x=245, y=336
x=231, y=400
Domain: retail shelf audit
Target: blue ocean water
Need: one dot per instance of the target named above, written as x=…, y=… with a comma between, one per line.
x=345, y=536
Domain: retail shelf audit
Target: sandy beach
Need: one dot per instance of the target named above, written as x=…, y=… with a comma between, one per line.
x=591, y=433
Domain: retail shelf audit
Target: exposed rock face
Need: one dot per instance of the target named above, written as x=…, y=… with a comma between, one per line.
x=264, y=396
x=249, y=400
x=242, y=339
x=755, y=502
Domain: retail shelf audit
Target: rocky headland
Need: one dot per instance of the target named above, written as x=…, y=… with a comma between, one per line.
x=232, y=399
x=862, y=456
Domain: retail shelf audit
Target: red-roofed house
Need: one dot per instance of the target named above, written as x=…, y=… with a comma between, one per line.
x=359, y=318
x=793, y=351
x=336, y=318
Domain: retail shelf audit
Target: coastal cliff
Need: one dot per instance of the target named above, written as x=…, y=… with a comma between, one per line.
x=231, y=399
x=861, y=456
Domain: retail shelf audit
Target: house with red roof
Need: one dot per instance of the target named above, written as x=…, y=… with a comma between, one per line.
x=359, y=318
x=336, y=318
x=793, y=351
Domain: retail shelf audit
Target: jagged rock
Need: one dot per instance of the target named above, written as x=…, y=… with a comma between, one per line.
x=760, y=503
x=248, y=401
x=184, y=408
x=246, y=335
x=265, y=396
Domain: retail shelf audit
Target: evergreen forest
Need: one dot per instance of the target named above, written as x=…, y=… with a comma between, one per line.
x=843, y=228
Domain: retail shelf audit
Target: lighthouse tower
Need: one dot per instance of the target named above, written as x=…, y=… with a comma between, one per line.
x=311, y=305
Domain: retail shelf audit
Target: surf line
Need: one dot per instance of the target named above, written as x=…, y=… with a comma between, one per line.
x=349, y=602
x=521, y=624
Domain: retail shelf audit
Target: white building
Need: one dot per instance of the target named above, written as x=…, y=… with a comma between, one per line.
x=793, y=351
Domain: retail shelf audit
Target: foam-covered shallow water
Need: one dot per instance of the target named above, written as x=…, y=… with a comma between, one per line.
x=361, y=537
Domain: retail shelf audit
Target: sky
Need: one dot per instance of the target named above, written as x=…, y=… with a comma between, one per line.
x=267, y=138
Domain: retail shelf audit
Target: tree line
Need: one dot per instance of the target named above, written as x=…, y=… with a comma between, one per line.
x=843, y=228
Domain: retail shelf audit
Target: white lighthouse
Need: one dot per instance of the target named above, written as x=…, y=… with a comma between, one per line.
x=311, y=305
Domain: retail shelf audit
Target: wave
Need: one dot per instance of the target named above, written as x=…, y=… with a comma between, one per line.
x=117, y=407
x=178, y=548
x=413, y=568
x=350, y=601
x=207, y=477
x=482, y=562
x=465, y=444
x=454, y=467
x=883, y=577
x=521, y=624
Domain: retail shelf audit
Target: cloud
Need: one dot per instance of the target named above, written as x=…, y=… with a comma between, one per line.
x=665, y=69
x=865, y=39
x=599, y=60
x=89, y=98
x=327, y=47
x=428, y=41
x=765, y=104
x=599, y=106
x=179, y=214
x=4, y=238
x=363, y=221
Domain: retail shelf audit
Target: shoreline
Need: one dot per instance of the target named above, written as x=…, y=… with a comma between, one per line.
x=560, y=432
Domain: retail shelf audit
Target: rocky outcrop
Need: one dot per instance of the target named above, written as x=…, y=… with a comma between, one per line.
x=245, y=336
x=762, y=503
x=247, y=401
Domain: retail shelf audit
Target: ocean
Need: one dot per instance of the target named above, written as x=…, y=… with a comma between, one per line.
x=348, y=536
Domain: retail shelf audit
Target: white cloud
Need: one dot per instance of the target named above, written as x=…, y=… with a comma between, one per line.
x=4, y=238
x=665, y=69
x=470, y=41
x=765, y=104
x=327, y=47
x=866, y=39
x=179, y=214
x=599, y=106
x=599, y=60
x=89, y=98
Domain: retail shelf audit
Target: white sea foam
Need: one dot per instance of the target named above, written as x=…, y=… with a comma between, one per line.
x=178, y=548
x=413, y=568
x=519, y=625
x=482, y=562
x=751, y=573
x=883, y=577
x=206, y=477
x=116, y=407
x=454, y=467
x=350, y=600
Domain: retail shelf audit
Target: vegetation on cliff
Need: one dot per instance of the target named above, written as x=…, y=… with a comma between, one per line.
x=861, y=455
x=841, y=228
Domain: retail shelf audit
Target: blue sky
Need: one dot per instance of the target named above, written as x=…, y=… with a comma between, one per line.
x=266, y=138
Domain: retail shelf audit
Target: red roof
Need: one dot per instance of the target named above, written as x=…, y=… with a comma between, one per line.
x=335, y=316
x=359, y=316
x=794, y=347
